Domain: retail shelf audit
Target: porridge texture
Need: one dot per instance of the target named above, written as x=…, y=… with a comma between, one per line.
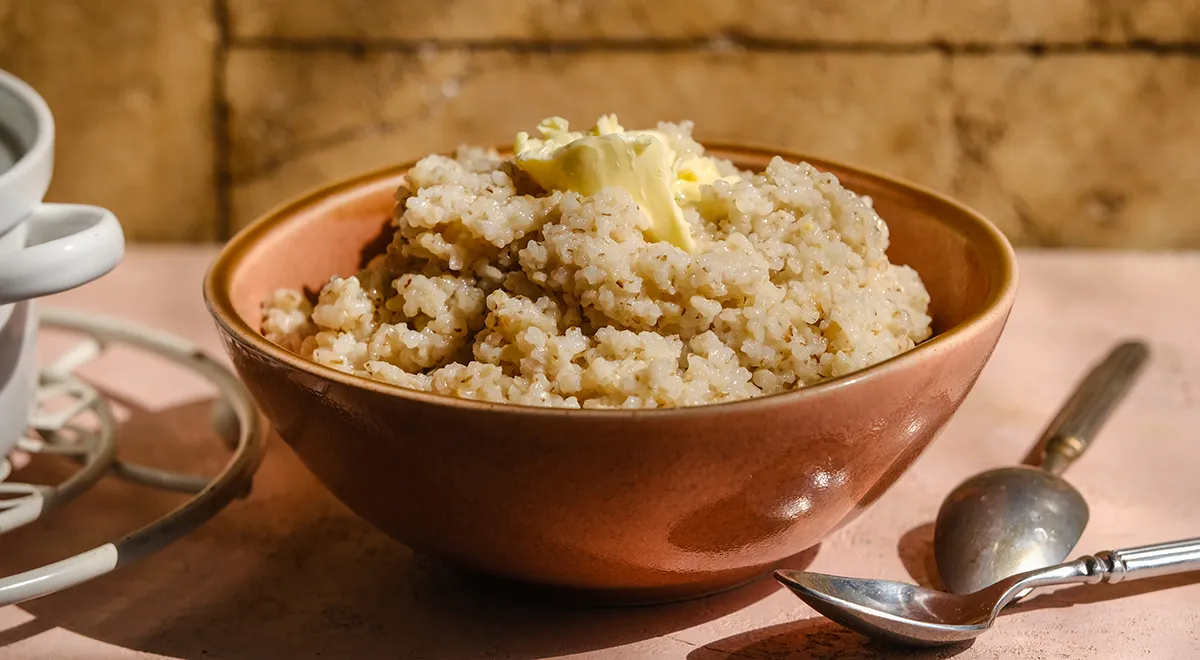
x=566, y=276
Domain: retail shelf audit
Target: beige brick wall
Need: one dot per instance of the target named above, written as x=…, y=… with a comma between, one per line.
x=1073, y=122
x=130, y=85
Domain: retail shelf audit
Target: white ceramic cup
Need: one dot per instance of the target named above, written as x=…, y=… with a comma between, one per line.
x=44, y=248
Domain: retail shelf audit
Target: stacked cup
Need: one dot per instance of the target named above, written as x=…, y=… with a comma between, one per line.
x=44, y=248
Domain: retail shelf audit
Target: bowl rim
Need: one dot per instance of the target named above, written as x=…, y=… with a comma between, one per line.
x=997, y=303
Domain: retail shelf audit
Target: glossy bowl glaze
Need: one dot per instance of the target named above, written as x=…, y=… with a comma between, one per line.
x=627, y=506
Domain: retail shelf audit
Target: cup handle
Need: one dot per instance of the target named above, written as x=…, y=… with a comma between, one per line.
x=68, y=245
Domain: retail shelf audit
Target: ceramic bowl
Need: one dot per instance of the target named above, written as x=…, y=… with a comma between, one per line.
x=626, y=506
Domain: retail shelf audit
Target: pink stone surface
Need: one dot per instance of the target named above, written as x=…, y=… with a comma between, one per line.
x=290, y=573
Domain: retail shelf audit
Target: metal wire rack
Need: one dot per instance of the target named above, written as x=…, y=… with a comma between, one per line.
x=71, y=418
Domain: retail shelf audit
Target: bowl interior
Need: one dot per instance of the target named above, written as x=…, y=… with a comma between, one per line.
x=964, y=261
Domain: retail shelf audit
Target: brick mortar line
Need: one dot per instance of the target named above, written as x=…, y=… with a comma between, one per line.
x=222, y=175
x=716, y=44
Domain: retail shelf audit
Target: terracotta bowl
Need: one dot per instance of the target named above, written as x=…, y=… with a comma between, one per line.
x=629, y=506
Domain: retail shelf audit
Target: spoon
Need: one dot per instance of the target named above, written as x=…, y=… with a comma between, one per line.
x=915, y=616
x=1014, y=519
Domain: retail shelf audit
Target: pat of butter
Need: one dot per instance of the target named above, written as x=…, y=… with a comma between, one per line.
x=691, y=173
x=640, y=162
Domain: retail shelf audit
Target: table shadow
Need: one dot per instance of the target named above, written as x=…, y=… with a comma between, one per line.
x=1088, y=594
x=916, y=553
x=290, y=573
x=816, y=638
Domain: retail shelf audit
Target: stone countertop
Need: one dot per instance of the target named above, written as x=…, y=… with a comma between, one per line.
x=290, y=573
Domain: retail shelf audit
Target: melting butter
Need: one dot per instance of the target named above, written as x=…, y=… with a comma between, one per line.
x=640, y=162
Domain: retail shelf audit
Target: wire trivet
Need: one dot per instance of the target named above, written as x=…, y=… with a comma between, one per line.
x=72, y=418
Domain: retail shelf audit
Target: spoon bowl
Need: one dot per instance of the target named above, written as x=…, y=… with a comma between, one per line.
x=1006, y=521
x=894, y=611
x=1014, y=519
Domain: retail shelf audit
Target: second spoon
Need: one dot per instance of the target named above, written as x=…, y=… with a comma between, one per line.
x=1015, y=519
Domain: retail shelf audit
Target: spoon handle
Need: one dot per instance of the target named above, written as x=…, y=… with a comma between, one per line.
x=1109, y=566
x=1072, y=431
x=1150, y=560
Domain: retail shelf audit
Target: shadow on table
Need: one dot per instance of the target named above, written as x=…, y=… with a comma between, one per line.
x=916, y=553
x=812, y=639
x=291, y=573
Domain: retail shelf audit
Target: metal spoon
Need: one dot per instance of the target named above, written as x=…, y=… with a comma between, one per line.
x=1014, y=519
x=915, y=616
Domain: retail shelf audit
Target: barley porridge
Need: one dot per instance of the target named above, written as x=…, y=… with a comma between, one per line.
x=613, y=268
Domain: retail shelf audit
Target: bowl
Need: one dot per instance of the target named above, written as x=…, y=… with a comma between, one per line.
x=624, y=506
